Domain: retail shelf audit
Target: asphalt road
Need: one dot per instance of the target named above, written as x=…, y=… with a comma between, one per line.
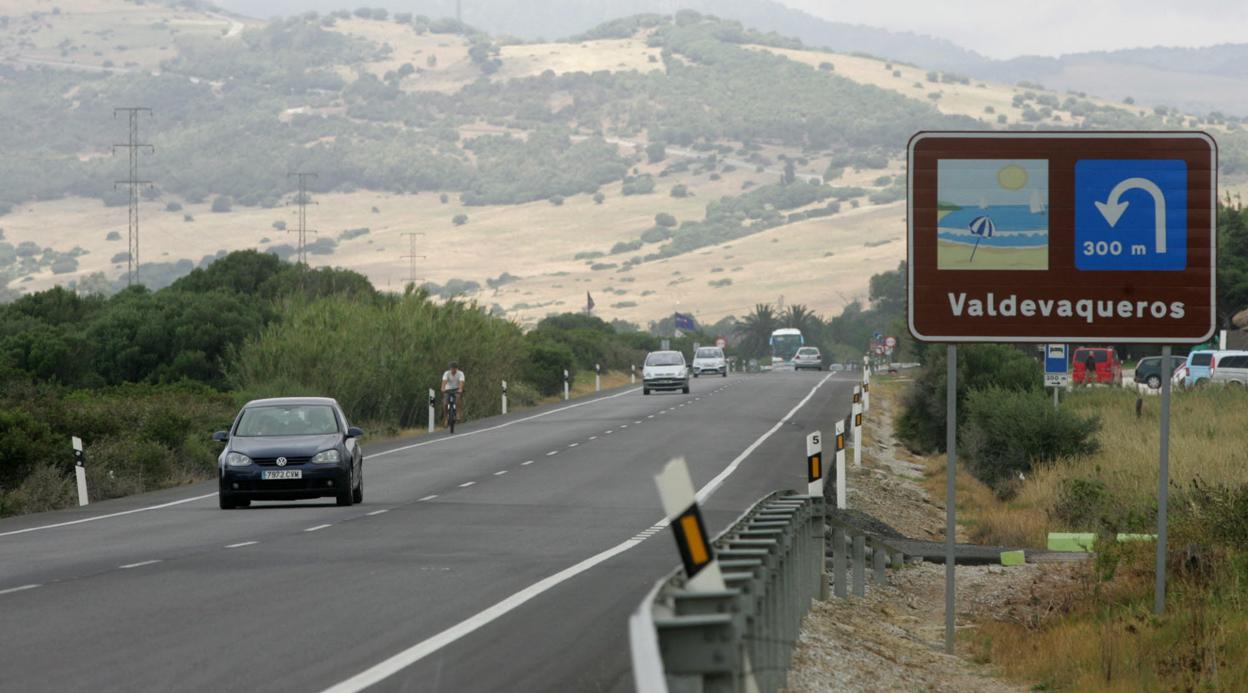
x=504, y=558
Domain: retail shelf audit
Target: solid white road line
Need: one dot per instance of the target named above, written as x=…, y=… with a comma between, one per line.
x=466, y=484
x=429, y=498
x=316, y=528
x=377, y=512
x=23, y=588
x=385, y=669
x=241, y=544
x=105, y=517
x=500, y=472
x=140, y=564
x=461, y=436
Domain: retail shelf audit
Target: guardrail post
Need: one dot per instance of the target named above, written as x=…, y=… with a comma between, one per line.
x=839, y=572
x=879, y=558
x=860, y=565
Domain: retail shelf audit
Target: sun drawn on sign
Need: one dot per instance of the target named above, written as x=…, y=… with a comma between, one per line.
x=992, y=214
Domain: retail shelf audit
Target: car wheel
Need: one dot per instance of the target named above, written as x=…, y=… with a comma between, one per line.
x=242, y=503
x=645, y=390
x=695, y=374
x=685, y=389
x=225, y=500
x=1154, y=381
x=357, y=495
x=725, y=373
x=346, y=495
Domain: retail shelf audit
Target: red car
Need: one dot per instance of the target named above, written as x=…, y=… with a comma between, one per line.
x=1105, y=366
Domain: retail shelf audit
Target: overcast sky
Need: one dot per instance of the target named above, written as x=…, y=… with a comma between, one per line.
x=1008, y=28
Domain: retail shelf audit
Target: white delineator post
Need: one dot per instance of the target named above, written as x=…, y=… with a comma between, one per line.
x=857, y=435
x=597, y=378
x=814, y=464
x=866, y=391
x=432, y=414
x=681, y=507
x=504, y=396
x=80, y=470
x=632, y=374
x=840, y=465
x=565, y=385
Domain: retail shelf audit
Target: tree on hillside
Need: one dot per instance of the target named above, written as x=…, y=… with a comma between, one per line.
x=656, y=152
x=756, y=329
x=802, y=318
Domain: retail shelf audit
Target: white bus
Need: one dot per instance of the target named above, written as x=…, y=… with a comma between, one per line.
x=784, y=344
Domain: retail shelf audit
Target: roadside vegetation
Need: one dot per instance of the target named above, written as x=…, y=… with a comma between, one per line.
x=145, y=377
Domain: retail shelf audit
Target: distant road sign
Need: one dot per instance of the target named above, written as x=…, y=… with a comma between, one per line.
x=1062, y=236
x=721, y=342
x=890, y=342
x=1056, y=370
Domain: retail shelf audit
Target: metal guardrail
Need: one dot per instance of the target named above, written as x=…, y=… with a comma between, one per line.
x=740, y=639
x=849, y=549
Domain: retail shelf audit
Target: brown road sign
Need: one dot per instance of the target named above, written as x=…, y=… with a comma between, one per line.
x=1062, y=236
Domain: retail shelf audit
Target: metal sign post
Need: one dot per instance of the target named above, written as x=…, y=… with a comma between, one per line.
x=1163, y=484
x=951, y=498
x=1056, y=373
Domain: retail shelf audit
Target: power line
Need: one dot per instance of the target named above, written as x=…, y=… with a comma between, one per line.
x=133, y=182
x=411, y=256
x=303, y=214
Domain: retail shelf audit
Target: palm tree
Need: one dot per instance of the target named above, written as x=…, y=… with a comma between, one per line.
x=802, y=318
x=756, y=329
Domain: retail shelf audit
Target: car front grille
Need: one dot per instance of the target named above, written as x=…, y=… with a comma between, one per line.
x=272, y=461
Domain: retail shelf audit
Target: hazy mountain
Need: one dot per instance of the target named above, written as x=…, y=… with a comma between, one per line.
x=531, y=19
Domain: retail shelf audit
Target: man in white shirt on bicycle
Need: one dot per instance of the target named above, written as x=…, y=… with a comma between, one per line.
x=453, y=381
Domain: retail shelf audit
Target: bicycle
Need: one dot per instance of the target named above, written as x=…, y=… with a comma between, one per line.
x=452, y=409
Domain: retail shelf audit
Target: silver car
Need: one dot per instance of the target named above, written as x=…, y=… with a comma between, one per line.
x=665, y=370
x=808, y=357
x=710, y=360
x=1229, y=368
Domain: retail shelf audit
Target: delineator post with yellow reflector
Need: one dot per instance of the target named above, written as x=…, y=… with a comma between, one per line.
x=866, y=391
x=814, y=464
x=694, y=544
x=840, y=465
x=857, y=394
x=857, y=423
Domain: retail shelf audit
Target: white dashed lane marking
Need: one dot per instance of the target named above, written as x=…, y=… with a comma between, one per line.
x=552, y=453
x=378, y=512
x=317, y=528
x=241, y=544
x=23, y=588
x=140, y=564
x=526, y=463
x=500, y=473
x=429, y=498
x=466, y=484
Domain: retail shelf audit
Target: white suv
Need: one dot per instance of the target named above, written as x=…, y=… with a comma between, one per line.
x=710, y=360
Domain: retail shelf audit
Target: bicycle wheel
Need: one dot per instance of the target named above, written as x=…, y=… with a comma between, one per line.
x=452, y=417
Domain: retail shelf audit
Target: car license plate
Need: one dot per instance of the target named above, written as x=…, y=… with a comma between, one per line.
x=281, y=474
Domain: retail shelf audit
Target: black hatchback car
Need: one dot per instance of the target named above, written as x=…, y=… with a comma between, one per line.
x=290, y=448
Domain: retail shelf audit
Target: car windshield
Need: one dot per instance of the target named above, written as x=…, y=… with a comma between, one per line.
x=808, y=351
x=665, y=358
x=294, y=420
x=1099, y=356
x=709, y=353
x=1202, y=359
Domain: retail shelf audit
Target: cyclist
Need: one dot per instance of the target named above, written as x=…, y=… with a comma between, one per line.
x=453, y=382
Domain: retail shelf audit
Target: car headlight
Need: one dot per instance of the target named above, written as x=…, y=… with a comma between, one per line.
x=237, y=459
x=326, y=457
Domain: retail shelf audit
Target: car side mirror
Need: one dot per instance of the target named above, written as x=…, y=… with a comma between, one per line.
x=354, y=432
x=221, y=436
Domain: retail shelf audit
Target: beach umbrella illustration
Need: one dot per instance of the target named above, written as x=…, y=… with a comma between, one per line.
x=981, y=227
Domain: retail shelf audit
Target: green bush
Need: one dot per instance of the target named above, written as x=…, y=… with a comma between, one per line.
x=921, y=425
x=1004, y=432
x=544, y=363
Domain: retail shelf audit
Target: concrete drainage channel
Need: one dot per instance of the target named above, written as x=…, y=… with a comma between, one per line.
x=740, y=638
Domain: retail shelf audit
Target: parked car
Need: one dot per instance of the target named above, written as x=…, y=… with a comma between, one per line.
x=1148, y=370
x=290, y=448
x=808, y=357
x=710, y=360
x=1107, y=369
x=1198, y=363
x=664, y=370
x=1179, y=378
x=1229, y=368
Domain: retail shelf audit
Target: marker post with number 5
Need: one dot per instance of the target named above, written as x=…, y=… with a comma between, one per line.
x=814, y=464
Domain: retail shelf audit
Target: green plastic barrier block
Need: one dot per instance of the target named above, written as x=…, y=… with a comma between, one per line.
x=1013, y=558
x=1137, y=537
x=1071, y=541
